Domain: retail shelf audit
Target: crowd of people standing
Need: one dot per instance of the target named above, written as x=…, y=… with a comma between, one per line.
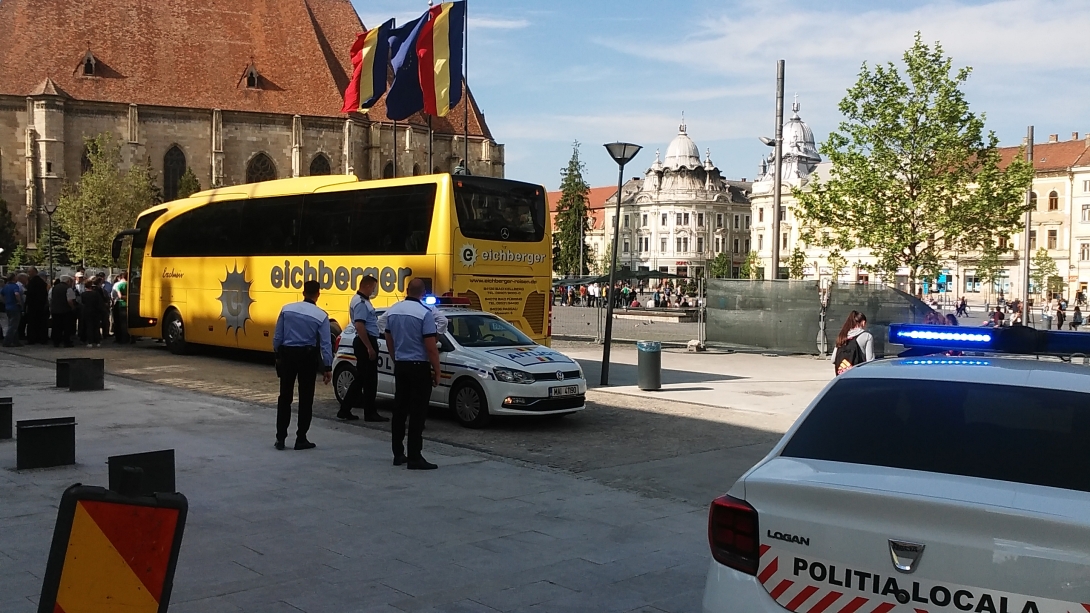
x=82, y=308
x=626, y=296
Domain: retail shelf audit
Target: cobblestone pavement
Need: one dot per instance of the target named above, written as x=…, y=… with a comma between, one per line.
x=338, y=528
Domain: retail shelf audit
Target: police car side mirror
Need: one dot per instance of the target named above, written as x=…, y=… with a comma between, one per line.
x=445, y=345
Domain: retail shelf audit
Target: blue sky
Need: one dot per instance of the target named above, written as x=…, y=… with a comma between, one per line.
x=549, y=73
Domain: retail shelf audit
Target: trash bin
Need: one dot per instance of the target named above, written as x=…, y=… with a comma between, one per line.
x=649, y=365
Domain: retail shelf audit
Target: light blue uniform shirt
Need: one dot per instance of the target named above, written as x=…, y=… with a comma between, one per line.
x=361, y=310
x=303, y=324
x=409, y=322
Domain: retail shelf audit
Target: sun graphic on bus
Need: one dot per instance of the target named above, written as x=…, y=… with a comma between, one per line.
x=235, y=299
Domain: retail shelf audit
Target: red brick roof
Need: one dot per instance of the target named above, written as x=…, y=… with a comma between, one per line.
x=1051, y=156
x=599, y=197
x=192, y=53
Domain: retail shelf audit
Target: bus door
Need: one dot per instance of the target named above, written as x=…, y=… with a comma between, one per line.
x=139, y=241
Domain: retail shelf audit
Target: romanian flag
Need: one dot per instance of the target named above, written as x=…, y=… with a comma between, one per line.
x=439, y=56
x=370, y=57
x=427, y=62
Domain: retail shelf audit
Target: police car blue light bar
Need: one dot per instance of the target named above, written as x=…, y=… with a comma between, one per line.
x=923, y=339
x=431, y=300
x=943, y=362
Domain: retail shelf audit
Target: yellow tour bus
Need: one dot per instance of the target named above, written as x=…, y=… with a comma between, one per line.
x=215, y=268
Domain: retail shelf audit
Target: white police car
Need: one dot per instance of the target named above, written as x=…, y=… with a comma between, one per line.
x=921, y=484
x=489, y=368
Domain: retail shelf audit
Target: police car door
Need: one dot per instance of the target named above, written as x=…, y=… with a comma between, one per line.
x=440, y=395
x=385, y=369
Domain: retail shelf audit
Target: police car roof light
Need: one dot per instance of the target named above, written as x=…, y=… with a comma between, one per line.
x=446, y=301
x=1014, y=339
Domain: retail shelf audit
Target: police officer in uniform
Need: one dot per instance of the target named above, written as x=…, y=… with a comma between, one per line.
x=411, y=339
x=365, y=346
x=302, y=345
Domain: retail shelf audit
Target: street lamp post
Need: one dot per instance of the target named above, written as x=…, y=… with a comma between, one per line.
x=622, y=153
x=50, y=207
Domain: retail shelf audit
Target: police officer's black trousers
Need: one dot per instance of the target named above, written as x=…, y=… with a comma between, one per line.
x=412, y=392
x=366, y=380
x=296, y=363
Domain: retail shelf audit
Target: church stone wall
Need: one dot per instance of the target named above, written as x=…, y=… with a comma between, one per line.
x=13, y=120
x=161, y=128
x=247, y=134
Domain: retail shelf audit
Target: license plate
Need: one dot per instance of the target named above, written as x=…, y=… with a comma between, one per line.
x=564, y=390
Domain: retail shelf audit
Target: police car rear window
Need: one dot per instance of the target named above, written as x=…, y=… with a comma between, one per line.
x=1007, y=433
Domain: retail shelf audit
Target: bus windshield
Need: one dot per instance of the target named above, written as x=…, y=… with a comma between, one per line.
x=485, y=331
x=497, y=210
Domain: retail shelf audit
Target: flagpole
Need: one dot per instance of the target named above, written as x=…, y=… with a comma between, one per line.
x=431, y=167
x=395, y=148
x=465, y=95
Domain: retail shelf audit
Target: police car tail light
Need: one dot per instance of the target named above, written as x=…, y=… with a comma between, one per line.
x=733, y=534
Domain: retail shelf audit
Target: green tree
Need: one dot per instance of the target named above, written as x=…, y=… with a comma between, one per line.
x=837, y=263
x=188, y=184
x=8, y=240
x=989, y=266
x=19, y=257
x=60, y=249
x=796, y=264
x=914, y=174
x=1042, y=267
x=105, y=201
x=720, y=268
x=750, y=266
x=572, y=219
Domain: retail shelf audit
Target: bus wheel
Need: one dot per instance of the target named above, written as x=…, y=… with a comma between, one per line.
x=343, y=377
x=174, y=333
x=470, y=404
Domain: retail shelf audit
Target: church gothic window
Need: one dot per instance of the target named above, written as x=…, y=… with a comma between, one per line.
x=320, y=166
x=260, y=168
x=84, y=161
x=388, y=171
x=173, y=169
x=416, y=170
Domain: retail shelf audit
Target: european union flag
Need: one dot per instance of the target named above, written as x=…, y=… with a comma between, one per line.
x=405, y=97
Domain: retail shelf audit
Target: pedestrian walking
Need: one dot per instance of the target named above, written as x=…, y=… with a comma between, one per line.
x=1047, y=313
x=854, y=345
x=62, y=307
x=37, y=308
x=365, y=346
x=1061, y=316
x=13, y=308
x=92, y=309
x=302, y=345
x=411, y=339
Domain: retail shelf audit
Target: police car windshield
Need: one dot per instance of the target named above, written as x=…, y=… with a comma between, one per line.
x=499, y=210
x=485, y=331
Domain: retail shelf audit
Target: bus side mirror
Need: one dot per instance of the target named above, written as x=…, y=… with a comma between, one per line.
x=115, y=251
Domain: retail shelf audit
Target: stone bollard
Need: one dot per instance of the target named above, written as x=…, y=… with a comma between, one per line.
x=5, y=418
x=42, y=443
x=86, y=374
x=64, y=370
x=142, y=474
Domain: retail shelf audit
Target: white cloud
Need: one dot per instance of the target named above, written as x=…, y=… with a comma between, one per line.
x=824, y=46
x=494, y=23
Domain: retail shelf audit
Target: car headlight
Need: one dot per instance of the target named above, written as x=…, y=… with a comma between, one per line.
x=510, y=375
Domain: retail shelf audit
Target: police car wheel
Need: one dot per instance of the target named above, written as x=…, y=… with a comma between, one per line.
x=470, y=404
x=343, y=376
x=174, y=332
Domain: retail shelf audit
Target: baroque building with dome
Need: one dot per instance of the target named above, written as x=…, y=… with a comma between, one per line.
x=681, y=214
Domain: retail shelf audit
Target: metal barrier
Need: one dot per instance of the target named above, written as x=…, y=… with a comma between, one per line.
x=802, y=316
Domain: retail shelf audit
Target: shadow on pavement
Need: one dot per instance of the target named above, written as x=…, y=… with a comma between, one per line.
x=626, y=374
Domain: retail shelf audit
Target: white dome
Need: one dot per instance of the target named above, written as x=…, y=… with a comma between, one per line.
x=682, y=152
x=798, y=138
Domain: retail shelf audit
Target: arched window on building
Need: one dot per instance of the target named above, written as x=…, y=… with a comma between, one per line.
x=320, y=166
x=260, y=168
x=436, y=170
x=173, y=169
x=1033, y=200
x=1053, y=201
x=388, y=171
x=416, y=170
